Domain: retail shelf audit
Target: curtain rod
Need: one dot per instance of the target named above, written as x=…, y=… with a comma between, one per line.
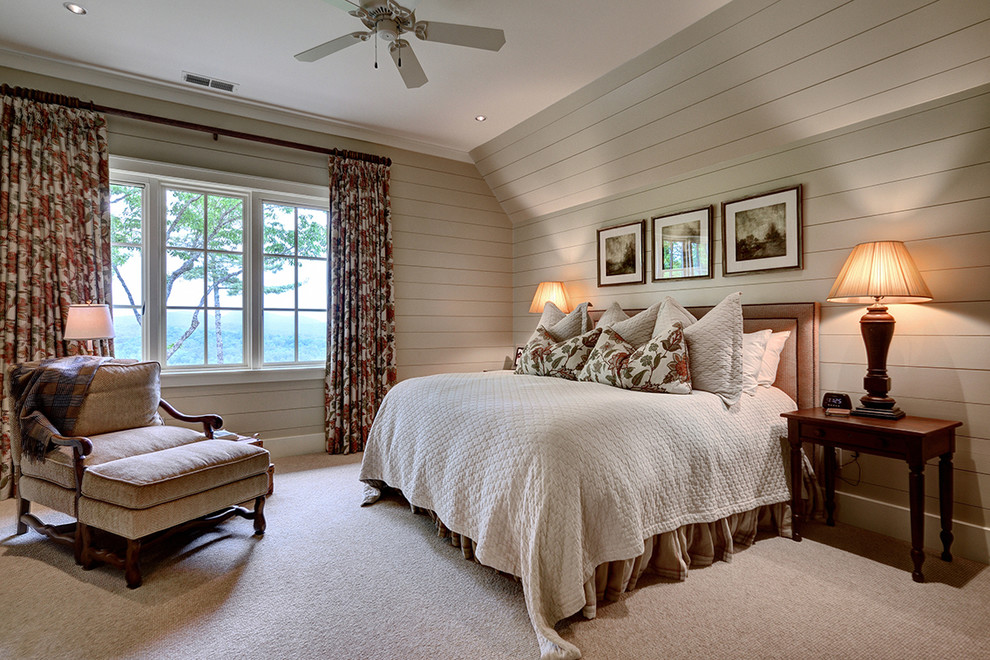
x=70, y=102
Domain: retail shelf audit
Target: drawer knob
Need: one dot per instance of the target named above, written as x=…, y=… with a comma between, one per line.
x=819, y=433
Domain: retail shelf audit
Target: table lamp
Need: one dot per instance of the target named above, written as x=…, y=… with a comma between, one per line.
x=549, y=292
x=88, y=322
x=878, y=273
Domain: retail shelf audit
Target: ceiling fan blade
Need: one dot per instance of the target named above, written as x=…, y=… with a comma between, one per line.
x=461, y=35
x=331, y=47
x=408, y=65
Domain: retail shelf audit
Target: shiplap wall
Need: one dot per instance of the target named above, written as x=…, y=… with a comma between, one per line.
x=893, y=144
x=452, y=250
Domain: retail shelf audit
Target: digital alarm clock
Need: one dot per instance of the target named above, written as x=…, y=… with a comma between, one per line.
x=836, y=403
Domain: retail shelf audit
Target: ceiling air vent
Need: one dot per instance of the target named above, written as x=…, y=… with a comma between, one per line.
x=206, y=81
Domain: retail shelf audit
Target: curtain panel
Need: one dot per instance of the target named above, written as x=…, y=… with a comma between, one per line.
x=54, y=232
x=360, y=365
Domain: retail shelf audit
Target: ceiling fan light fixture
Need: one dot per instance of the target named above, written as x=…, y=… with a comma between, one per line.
x=79, y=10
x=387, y=30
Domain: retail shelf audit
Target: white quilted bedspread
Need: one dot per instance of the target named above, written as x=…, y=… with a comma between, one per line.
x=553, y=477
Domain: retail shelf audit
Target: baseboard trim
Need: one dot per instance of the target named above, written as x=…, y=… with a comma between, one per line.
x=295, y=445
x=969, y=541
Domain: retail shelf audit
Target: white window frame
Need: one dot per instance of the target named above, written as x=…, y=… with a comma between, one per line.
x=154, y=177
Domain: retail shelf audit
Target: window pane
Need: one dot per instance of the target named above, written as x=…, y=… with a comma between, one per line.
x=227, y=345
x=184, y=337
x=184, y=278
x=312, y=336
x=279, y=283
x=280, y=235
x=184, y=218
x=224, y=223
x=126, y=267
x=312, y=284
x=280, y=336
x=127, y=327
x=312, y=233
x=125, y=214
x=226, y=279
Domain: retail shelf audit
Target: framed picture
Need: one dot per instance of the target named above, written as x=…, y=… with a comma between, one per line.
x=762, y=233
x=622, y=254
x=682, y=245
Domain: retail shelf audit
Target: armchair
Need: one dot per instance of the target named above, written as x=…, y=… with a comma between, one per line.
x=124, y=471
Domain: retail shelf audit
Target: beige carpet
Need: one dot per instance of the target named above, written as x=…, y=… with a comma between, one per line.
x=333, y=580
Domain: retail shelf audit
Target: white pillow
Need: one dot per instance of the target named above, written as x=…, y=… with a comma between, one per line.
x=714, y=346
x=563, y=326
x=771, y=358
x=612, y=315
x=638, y=330
x=754, y=346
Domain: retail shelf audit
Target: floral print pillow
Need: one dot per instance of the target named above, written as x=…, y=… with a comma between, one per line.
x=660, y=365
x=545, y=356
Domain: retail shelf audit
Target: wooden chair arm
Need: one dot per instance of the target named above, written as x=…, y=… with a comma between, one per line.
x=210, y=422
x=84, y=446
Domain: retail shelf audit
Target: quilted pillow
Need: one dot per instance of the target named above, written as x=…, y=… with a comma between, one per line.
x=715, y=346
x=611, y=316
x=120, y=396
x=638, y=329
x=660, y=365
x=563, y=326
x=545, y=356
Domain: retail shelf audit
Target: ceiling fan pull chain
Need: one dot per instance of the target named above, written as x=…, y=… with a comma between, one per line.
x=376, y=45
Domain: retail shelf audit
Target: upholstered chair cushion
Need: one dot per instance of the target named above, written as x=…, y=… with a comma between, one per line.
x=57, y=466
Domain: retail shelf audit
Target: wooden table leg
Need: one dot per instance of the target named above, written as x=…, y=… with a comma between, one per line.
x=916, y=496
x=795, y=440
x=830, y=485
x=945, y=496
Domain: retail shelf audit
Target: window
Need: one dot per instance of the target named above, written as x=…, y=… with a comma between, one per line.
x=209, y=275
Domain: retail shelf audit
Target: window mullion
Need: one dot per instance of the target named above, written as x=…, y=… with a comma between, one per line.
x=254, y=284
x=154, y=275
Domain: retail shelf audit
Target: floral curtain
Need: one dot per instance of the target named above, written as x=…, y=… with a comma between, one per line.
x=54, y=229
x=361, y=330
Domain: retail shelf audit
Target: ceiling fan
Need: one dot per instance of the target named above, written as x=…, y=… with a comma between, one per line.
x=388, y=20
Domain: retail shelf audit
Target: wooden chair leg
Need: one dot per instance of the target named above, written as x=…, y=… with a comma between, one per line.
x=84, y=537
x=23, y=508
x=132, y=564
x=259, y=516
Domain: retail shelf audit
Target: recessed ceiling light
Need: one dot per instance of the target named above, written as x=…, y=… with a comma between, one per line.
x=74, y=8
x=480, y=118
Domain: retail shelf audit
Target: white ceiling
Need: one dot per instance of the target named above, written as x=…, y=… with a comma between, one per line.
x=553, y=48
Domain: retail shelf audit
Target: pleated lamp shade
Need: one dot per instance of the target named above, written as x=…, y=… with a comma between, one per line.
x=882, y=271
x=549, y=292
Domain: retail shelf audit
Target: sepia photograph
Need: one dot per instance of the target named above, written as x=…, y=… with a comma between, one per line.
x=762, y=232
x=622, y=254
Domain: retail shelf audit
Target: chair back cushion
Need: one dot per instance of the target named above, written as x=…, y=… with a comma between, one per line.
x=121, y=396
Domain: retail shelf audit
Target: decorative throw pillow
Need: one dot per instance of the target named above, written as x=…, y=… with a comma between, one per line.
x=715, y=345
x=563, y=326
x=660, y=365
x=544, y=356
x=771, y=358
x=638, y=329
x=611, y=316
x=754, y=346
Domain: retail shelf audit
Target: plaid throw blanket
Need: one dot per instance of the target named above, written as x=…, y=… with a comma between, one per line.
x=48, y=399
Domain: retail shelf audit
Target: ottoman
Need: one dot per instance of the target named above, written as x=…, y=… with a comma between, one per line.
x=148, y=497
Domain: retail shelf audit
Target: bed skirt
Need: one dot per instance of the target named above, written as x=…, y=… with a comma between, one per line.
x=667, y=555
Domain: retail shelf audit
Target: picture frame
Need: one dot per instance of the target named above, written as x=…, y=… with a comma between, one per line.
x=622, y=254
x=682, y=245
x=762, y=233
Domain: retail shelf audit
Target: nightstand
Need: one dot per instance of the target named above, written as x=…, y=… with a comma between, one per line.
x=912, y=439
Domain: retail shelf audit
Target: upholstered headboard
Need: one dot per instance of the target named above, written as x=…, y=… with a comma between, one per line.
x=797, y=373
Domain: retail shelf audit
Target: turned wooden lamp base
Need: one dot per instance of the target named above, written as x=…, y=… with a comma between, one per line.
x=877, y=327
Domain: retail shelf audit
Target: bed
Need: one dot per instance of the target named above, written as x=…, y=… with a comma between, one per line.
x=577, y=488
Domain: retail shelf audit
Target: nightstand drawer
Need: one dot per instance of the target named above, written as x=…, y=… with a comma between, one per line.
x=857, y=440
